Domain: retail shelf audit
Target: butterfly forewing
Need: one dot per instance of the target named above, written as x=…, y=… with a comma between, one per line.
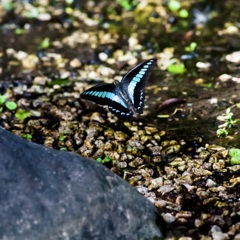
x=135, y=81
x=101, y=94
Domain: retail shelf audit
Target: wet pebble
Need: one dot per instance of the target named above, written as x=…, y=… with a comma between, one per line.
x=155, y=183
x=169, y=218
x=120, y=136
x=136, y=162
x=217, y=233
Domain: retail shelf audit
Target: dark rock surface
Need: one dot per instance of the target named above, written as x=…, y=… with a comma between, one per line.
x=49, y=194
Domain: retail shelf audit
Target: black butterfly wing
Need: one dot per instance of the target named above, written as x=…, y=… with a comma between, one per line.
x=134, y=82
x=105, y=94
x=101, y=94
x=120, y=110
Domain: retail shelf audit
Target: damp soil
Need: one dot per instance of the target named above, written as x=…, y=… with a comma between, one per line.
x=49, y=54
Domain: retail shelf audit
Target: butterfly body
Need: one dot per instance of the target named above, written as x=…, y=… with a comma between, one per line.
x=125, y=99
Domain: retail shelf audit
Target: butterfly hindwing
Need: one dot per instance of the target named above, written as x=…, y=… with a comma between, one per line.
x=120, y=111
x=135, y=81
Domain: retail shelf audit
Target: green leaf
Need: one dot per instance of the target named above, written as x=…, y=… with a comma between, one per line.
x=128, y=4
x=222, y=132
x=174, y=5
x=22, y=114
x=62, y=137
x=99, y=160
x=11, y=105
x=183, y=13
x=191, y=47
x=207, y=85
x=234, y=154
x=176, y=68
x=45, y=43
x=2, y=99
x=20, y=31
x=26, y=136
x=107, y=159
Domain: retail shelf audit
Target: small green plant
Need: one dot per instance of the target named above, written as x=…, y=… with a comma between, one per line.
x=175, y=6
x=45, y=43
x=10, y=105
x=22, y=114
x=183, y=13
x=206, y=85
x=2, y=99
x=26, y=136
x=128, y=4
x=191, y=47
x=104, y=160
x=20, y=31
x=223, y=129
x=62, y=137
x=234, y=154
x=176, y=68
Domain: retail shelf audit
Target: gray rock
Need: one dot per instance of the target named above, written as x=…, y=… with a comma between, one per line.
x=48, y=194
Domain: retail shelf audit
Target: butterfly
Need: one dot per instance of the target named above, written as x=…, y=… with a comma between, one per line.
x=125, y=99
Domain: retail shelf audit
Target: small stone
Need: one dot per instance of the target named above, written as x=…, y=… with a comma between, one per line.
x=145, y=138
x=155, y=183
x=108, y=146
x=233, y=57
x=89, y=143
x=150, y=130
x=142, y=190
x=171, y=149
x=122, y=164
x=97, y=117
x=30, y=62
x=109, y=133
x=198, y=223
x=225, y=77
x=210, y=183
x=168, y=217
x=219, y=165
x=201, y=172
x=184, y=214
x=136, y=162
x=165, y=189
x=217, y=233
x=75, y=63
x=203, y=65
x=103, y=56
x=92, y=132
x=189, y=187
x=40, y=80
x=120, y=136
x=177, y=162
